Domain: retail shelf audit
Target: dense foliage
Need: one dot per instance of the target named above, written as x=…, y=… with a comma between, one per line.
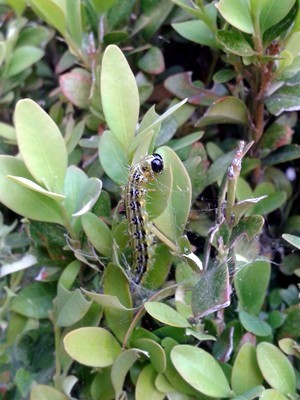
x=87, y=89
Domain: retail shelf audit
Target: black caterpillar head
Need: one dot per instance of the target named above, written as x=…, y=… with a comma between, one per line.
x=157, y=164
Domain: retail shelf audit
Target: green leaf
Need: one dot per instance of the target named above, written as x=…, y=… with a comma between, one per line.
x=23, y=201
x=292, y=239
x=18, y=5
x=285, y=153
x=76, y=86
x=291, y=325
x=73, y=14
x=245, y=372
x=7, y=132
x=144, y=142
x=145, y=386
x=106, y=301
x=163, y=385
x=271, y=12
x=2, y=52
x=282, y=26
x=272, y=394
x=24, y=380
x=121, y=367
x=92, y=346
x=103, y=5
x=173, y=220
x=276, y=368
x=152, y=61
x=153, y=121
x=289, y=346
x=98, y=233
x=43, y=392
x=155, y=353
x=163, y=313
x=23, y=58
x=251, y=283
x=34, y=301
x=269, y=204
x=118, y=13
x=121, y=110
x=224, y=75
x=187, y=140
x=157, y=12
x=171, y=373
x=218, y=168
x=254, y=325
x=249, y=226
x=234, y=42
x=196, y=31
x=101, y=386
x=69, y=274
x=71, y=306
x=41, y=145
x=228, y=110
x=37, y=36
x=159, y=193
x=87, y=196
x=74, y=182
x=113, y=158
x=276, y=136
x=37, y=188
x=115, y=37
x=189, y=7
x=284, y=99
x=52, y=13
x=251, y=394
x=237, y=13
x=239, y=208
x=116, y=284
x=200, y=370
x=158, y=273
x=74, y=138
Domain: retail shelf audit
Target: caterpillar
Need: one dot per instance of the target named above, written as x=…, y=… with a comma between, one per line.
x=141, y=238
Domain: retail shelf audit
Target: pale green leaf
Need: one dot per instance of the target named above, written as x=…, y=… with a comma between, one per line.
x=74, y=23
x=196, y=31
x=272, y=394
x=173, y=220
x=92, y=346
x=52, y=13
x=43, y=392
x=201, y=371
x=245, y=373
x=292, y=239
x=145, y=386
x=71, y=306
x=166, y=314
x=22, y=200
x=98, y=233
x=121, y=367
x=37, y=188
x=119, y=94
x=7, y=132
x=237, y=13
x=276, y=368
x=41, y=145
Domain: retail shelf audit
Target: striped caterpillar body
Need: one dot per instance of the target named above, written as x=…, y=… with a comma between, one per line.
x=141, y=238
